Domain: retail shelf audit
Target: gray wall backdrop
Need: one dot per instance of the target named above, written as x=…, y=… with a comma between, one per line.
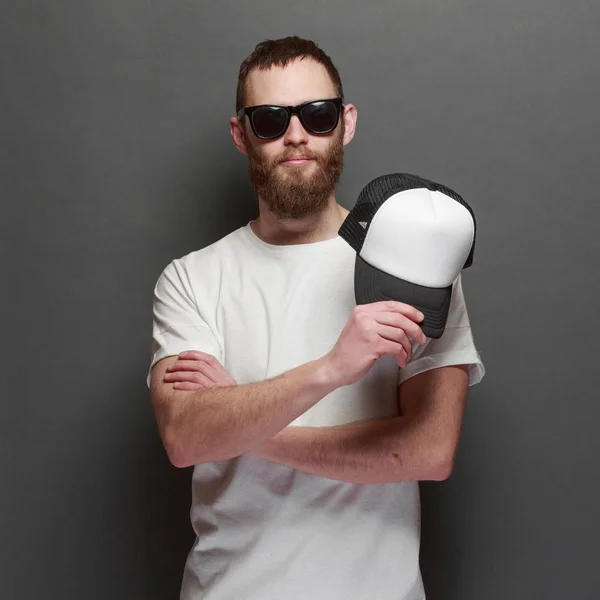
x=116, y=158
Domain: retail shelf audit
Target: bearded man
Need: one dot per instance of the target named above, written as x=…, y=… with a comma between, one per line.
x=309, y=420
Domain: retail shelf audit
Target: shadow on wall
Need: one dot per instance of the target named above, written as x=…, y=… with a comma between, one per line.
x=142, y=501
x=452, y=522
x=163, y=503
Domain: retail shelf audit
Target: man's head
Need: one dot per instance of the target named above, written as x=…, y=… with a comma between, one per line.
x=296, y=172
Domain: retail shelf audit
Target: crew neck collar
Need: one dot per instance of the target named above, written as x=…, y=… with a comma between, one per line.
x=282, y=249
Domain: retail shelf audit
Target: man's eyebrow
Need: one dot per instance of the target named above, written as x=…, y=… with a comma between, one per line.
x=308, y=99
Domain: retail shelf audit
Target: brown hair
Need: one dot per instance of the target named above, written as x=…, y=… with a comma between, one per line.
x=279, y=53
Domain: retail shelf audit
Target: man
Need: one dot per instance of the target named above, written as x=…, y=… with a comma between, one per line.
x=307, y=439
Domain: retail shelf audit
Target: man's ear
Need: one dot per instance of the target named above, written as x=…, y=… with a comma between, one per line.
x=350, y=117
x=237, y=133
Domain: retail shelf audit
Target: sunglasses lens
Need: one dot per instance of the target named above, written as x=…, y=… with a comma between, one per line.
x=320, y=117
x=269, y=122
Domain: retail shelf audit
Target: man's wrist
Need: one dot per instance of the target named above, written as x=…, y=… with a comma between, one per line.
x=326, y=375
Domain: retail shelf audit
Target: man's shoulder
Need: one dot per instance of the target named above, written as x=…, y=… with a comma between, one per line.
x=208, y=261
x=228, y=246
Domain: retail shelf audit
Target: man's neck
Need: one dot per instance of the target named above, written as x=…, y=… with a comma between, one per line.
x=316, y=228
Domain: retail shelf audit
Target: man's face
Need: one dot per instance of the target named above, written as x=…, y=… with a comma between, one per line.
x=295, y=174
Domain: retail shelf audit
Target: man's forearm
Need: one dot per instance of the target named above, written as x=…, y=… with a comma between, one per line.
x=220, y=423
x=378, y=451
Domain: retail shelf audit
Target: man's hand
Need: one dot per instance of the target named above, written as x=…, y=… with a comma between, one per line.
x=195, y=370
x=371, y=331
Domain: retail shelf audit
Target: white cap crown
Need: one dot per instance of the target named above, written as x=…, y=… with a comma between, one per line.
x=421, y=236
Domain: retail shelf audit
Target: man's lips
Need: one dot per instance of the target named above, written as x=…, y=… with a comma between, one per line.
x=297, y=160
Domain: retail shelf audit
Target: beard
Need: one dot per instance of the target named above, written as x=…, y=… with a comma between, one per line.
x=296, y=194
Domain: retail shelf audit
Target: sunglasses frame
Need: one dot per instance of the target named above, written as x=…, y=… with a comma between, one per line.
x=290, y=111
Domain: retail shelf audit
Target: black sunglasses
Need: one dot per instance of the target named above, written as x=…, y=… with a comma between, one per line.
x=270, y=121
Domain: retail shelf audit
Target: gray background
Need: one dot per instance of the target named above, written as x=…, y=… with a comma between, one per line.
x=116, y=158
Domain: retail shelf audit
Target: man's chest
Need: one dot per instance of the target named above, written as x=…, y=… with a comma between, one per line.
x=274, y=320
x=271, y=322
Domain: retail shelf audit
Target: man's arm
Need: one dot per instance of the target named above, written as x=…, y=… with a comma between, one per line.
x=420, y=444
x=218, y=423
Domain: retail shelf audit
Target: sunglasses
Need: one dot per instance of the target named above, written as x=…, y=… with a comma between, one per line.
x=270, y=121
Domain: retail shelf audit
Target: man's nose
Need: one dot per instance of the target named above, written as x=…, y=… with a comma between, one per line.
x=295, y=134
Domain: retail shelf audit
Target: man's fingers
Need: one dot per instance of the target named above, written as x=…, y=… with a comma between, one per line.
x=203, y=363
x=392, y=319
x=208, y=359
x=193, y=365
x=396, y=350
x=186, y=365
x=213, y=370
x=399, y=307
x=187, y=386
x=190, y=377
x=196, y=355
x=395, y=334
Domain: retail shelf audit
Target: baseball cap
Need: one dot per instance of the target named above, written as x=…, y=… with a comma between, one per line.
x=412, y=239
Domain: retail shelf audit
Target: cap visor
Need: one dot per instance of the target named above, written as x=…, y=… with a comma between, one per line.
x=373, y=285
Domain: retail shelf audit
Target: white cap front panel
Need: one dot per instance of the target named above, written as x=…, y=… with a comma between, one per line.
x=420, y=236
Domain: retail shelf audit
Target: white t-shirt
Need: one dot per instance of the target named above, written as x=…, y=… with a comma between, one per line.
x=265, y=531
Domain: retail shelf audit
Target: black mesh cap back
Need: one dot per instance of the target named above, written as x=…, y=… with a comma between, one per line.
x=375, y=193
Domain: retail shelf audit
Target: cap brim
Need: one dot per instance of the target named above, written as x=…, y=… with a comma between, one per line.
x=373, y=285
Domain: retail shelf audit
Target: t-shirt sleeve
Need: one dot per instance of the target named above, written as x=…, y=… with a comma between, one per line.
x=177, y=323
x=455, y=347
